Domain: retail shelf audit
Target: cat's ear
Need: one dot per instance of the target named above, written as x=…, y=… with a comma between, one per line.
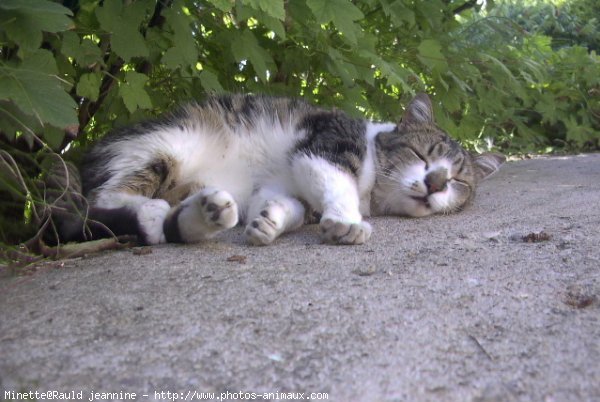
x=419, y=111
x=487, y=164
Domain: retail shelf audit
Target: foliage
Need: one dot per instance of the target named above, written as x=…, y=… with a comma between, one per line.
x=72, y=70
x=558, y=71
x=542, y=97
x=569, y=23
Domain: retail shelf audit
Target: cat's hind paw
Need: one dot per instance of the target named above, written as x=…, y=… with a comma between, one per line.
x=267, y=226
x=337, y=232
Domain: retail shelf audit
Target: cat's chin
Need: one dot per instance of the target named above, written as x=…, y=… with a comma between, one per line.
x=418, y=207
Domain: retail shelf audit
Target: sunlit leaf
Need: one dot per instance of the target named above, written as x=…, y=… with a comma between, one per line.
x=342, y=13
x=247, y=48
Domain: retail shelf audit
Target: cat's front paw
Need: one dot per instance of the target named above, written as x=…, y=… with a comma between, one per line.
x=337, y=232
x=151, y=216
x=218, y=208
x=201, y=216
x=209, y=211
x=267, y=226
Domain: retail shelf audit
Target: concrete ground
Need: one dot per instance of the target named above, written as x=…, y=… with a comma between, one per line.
x=446, y=308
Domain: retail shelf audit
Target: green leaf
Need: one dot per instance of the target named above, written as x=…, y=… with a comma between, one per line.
x=179, y=56
x=451, y=100
x=39, y=6
x=464, y=87
x=89, y=86
x=69, y=45
x=123, y=23
x=273, y=8
x=395, y=74
x=398, y=12
x=577, y=132
x=13, y=120
x=243, y=12
x=430, y=54
x=133, y=93
x=210, y=81
x=295, y=60
x=54, y=137
x=274, y=25
x=499, y=64
x=84, y=51
x=34, y=87
x=246, y=47
x=430, y=11
x=184, y=51
x=547, y=107
x=299, y=11
x=342, y=13
x=346, y=71
x=223, y=5
x=25, y=20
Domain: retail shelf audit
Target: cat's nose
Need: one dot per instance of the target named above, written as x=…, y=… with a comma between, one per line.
x=436, y=180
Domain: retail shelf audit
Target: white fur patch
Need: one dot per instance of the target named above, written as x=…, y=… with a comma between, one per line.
x=441, y=201
x=231, y=161
x=327, y=188
x=151, y=217
x=366, y=178
x=374, y=128
x=116, y=199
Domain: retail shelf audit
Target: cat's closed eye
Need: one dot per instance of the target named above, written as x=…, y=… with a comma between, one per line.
x=427, y=172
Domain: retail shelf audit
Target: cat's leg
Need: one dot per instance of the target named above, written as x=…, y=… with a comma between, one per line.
x=201, y=216
x=333, y=191
x=150, y=214
x=271, y=213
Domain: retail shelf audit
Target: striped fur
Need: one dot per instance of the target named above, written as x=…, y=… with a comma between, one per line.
x=270, y=162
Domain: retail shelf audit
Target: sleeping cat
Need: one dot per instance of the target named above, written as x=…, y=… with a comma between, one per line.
x=270, y=162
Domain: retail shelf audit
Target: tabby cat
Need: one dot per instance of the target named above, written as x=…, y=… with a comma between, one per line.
x=271, y=163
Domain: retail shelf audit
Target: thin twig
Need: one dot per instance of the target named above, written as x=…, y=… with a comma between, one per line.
x=485, y=352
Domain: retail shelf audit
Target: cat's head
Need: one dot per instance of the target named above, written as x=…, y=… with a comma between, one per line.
x=421, y=170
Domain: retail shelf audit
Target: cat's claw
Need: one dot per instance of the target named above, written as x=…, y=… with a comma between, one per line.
x=267, y=226
x=337, y=232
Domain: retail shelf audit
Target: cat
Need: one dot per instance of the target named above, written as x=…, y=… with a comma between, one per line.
x=271, y=163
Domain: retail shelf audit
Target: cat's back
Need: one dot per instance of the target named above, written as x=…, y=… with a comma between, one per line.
x=224, y=139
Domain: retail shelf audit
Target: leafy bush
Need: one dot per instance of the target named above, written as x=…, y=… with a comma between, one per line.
x=570, y=23
x=70, y=72
x=558, y=70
